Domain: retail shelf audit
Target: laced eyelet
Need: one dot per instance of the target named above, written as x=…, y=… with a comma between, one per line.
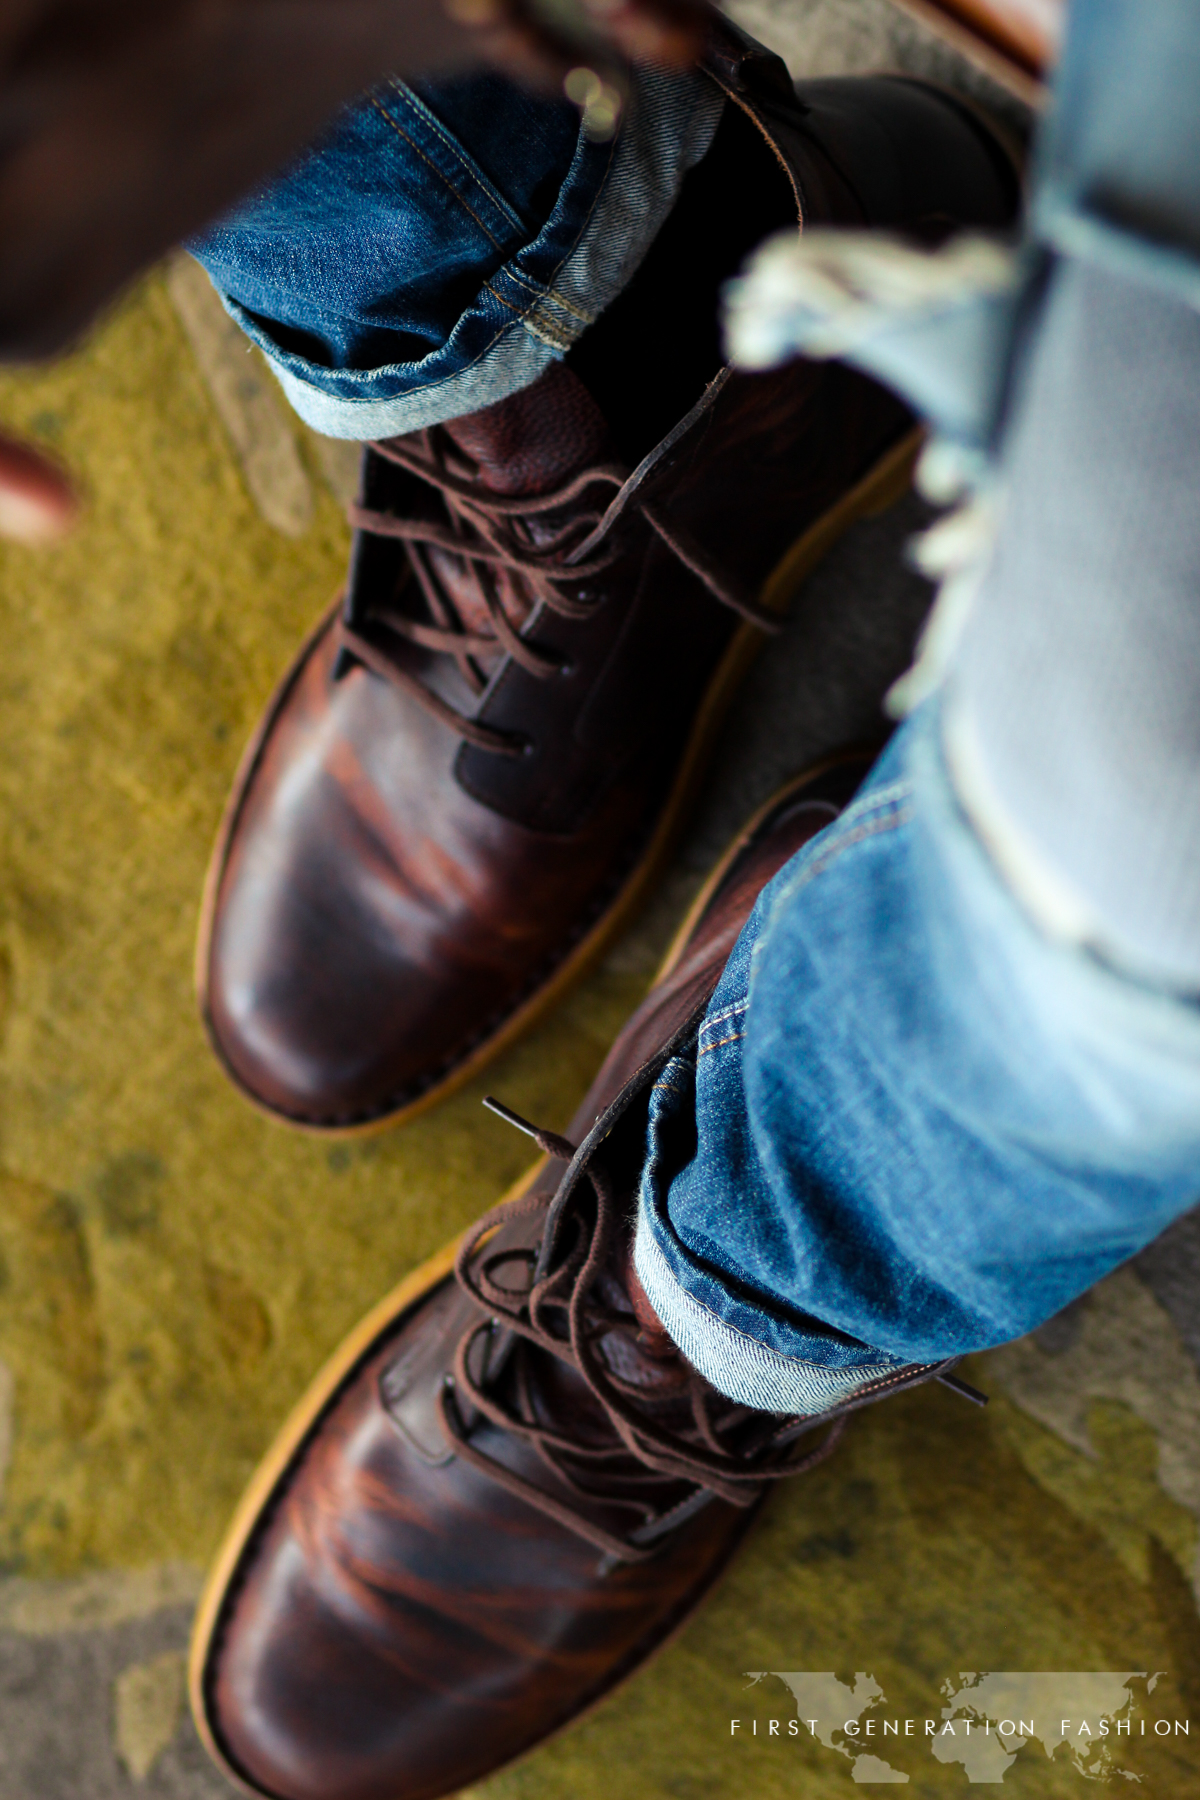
x=482, y=534
x=570, y=1317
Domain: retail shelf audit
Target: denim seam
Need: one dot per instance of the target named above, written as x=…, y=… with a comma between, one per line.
x=705, y=75
x=557, y=340
x=878, y=800
x=501, y=301
x=892, y=821
x=352, y=401
x=847, y=828
x=601, y=188
x=543, y=293
x=888, y=1380
x=735, y=1038
x=873, y=806
x=522, y=280
x=667, y=1087
x=729, y=1012
x=576, y=312
x=474, y=174
x=430, y=164
x=546, y=332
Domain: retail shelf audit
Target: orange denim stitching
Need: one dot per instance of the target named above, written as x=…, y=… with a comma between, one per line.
x=729, y=1012
x=870, y=828
x=428, y=161
x=430, y=120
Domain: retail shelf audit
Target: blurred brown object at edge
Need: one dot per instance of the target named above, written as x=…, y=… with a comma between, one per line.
x=1015, y=41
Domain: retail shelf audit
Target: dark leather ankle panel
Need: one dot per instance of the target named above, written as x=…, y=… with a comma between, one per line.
x=649, y=356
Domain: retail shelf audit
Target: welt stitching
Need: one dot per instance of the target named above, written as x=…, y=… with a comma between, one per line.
x=430, y=164
x=734, y=1038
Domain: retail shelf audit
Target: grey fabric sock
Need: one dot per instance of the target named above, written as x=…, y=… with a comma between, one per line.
x=1073, y=698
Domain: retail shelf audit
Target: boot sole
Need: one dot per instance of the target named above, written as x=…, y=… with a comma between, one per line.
x=878, y=489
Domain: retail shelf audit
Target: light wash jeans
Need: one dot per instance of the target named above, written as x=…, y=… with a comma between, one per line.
x=925, y=1109
x=913, y=1123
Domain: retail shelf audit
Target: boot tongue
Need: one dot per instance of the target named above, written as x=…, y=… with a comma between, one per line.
x=531, y=443
x=536, y=439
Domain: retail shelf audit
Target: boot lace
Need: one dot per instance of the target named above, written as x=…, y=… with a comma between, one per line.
x=562, y=1302
x=550, y=543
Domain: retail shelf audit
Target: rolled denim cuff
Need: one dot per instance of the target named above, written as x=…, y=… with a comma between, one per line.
x=740, y=1341
x=534, y=307
x=736, y=1365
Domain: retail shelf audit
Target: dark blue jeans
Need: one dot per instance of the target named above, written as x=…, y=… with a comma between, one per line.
x=446, y=241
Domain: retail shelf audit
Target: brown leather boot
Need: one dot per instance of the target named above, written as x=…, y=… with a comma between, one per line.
x=504, y=1492
x=476, y=764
